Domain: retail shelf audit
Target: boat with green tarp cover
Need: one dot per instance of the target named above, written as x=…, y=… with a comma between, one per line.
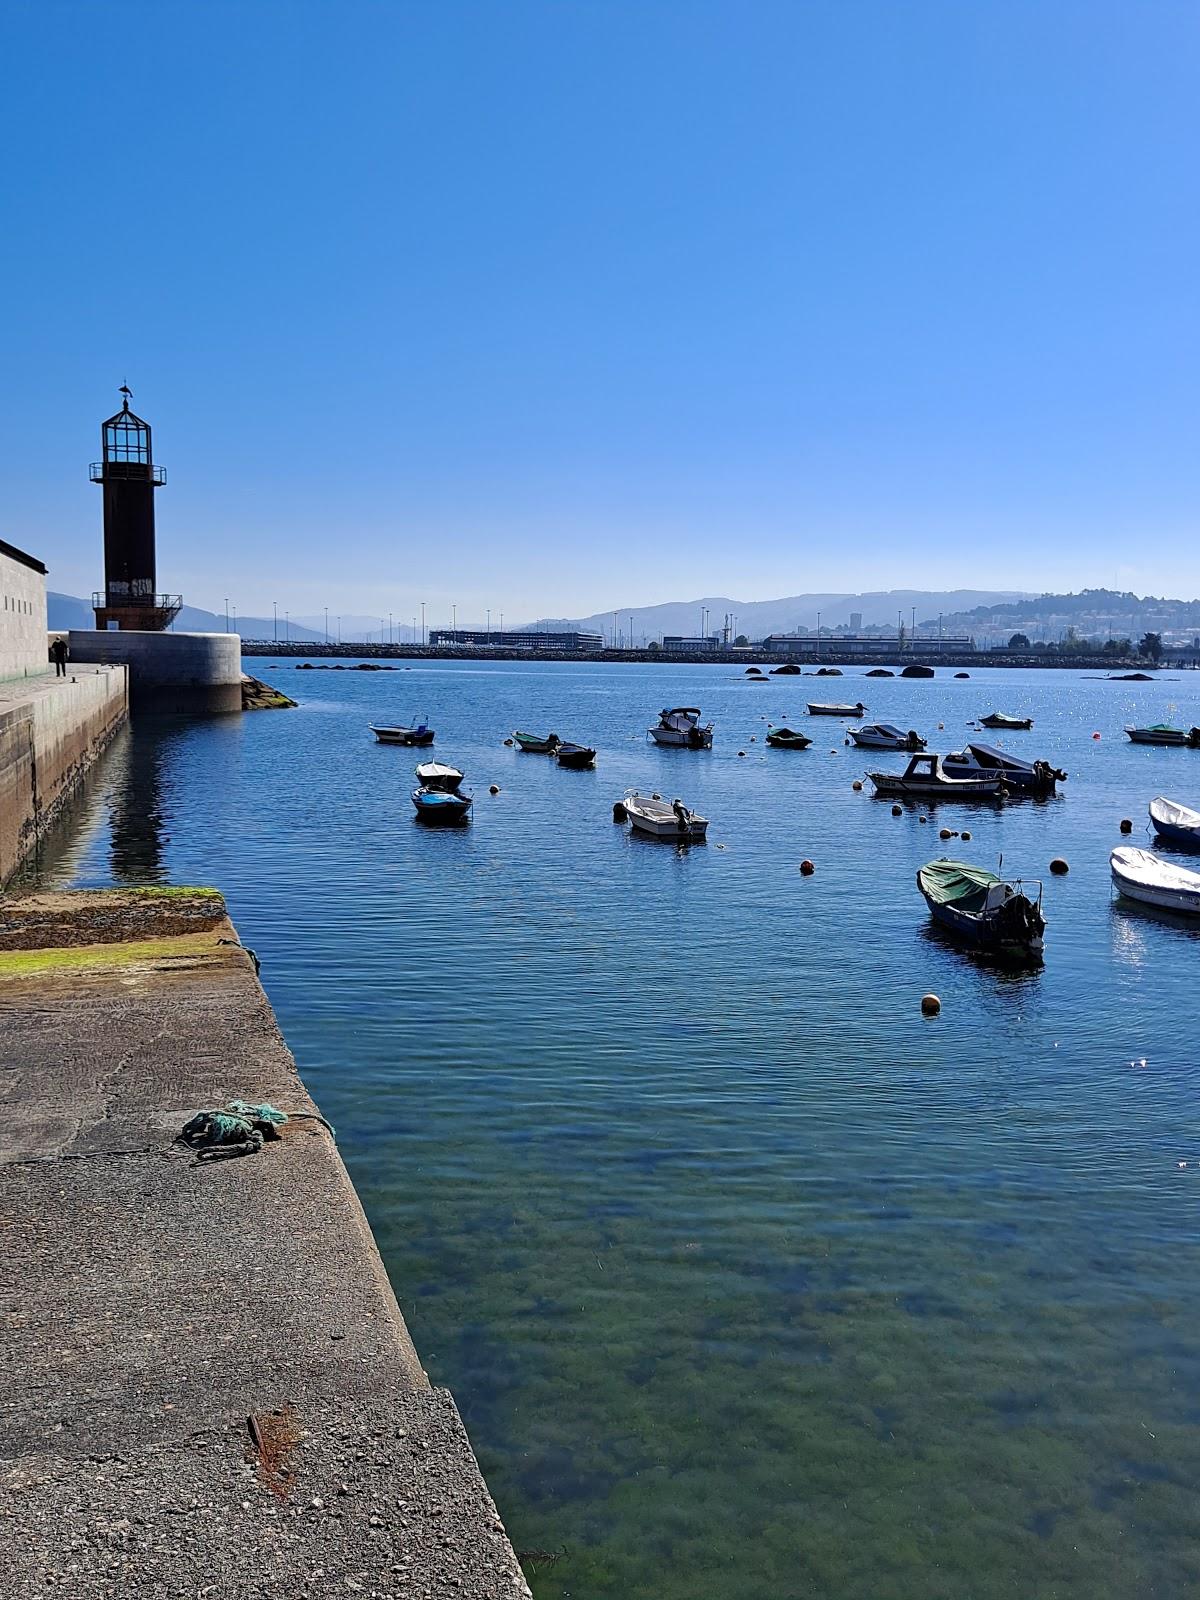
x=985, y=909
x=536, y=744
x=787, y=739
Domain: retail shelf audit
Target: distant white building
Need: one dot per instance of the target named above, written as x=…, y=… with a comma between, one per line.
x=865, y=644
x=24, y=646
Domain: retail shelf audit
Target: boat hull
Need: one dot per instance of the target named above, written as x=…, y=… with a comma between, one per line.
x=406, y=736
x=1011, y=724
x=892, y=785
x=1175, y=824
x=836, y=711
x=692, y=739
x=658, y=820
x=533, y=746
x=1140, y=876
x=981, y=931
x=1175, y=737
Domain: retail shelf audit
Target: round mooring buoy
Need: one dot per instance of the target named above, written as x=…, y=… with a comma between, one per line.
x=922, y=819
x=1126, y=825
x=930, y=1005
x=806, y=868
x=857, y=785
x=964, y=834
x=494, y=788
x=1095, y=736
x=946, y=833
x=619, y=811
x=1058, y=867
x=741, y=752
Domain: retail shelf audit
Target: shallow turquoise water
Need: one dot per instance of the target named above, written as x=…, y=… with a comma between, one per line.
x=748, y=1280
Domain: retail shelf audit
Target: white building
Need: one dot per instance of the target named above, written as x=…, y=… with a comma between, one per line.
x=23, y=642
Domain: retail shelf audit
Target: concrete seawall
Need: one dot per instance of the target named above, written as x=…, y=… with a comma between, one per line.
x=208, y=1384
x=178, y=674
x=51, y=731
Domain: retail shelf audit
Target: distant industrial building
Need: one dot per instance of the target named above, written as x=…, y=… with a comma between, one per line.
x=467, y=639
x=673, y=641
x=855, y=621
x=865, y=644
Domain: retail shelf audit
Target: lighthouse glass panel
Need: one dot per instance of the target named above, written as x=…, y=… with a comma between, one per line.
x=127, y=439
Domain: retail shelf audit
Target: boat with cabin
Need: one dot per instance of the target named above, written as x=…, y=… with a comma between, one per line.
x=662, y=819
x=441, y=805
x=787, y=739
x=884, y=736
x=422, y=734
x=680, y=725
x=575, y=755
x=980, y=907
x=833, y=709
x=438, y=775
x=1164, y=733
x=1020, y=776
x=1001, y=719
x=536, y=744
x=1175, y=823
x=1141, y=875
x=923, y=779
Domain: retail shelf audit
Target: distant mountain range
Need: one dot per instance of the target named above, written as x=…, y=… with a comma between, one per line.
x=757, y=618
x=68, y=611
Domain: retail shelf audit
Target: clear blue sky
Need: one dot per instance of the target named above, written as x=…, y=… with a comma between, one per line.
x=560, y=306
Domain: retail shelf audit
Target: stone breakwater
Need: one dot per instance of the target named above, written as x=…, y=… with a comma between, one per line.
x=207, y=1384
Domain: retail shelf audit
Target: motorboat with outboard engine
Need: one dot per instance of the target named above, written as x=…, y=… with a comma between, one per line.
x=680, y=725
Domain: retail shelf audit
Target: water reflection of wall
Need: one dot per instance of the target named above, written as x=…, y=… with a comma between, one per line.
x=138, y=804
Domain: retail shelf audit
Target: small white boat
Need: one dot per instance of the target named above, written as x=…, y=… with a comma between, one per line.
x=884, y=736
x=1141, y=875
x=1177, y=824
x=680, y=725
x=437, y=775
x=817, y=708
x=663, y=819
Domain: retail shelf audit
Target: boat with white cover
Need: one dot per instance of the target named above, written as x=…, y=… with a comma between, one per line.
x=663, y=819
x=817, y=708
x=1177, y=824
x=1141, y=875
x=885, y=736
x=680, y=725
x=438, y=775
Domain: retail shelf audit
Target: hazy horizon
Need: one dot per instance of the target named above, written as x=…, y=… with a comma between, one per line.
x=533, y=306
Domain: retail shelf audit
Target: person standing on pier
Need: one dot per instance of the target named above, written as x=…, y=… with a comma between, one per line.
x=58, y=654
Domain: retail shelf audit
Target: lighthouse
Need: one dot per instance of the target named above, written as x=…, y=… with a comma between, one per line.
x=128, y=476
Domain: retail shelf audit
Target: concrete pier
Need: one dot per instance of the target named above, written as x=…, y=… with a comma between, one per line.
x=208, y=1387
x=51, y=731
x=178, y=674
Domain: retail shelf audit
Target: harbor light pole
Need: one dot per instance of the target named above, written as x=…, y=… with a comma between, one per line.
x=235, y=619
x=422, y=624
x=326, y=624
x=390, y=639
x=287, y=626
x=339, y=622
x=226, y=613
x=453, y=619
x=489, y=622
x=275, y=620
x=818, y=633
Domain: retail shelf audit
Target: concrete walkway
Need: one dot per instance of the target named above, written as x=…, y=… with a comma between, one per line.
x=207, y=1386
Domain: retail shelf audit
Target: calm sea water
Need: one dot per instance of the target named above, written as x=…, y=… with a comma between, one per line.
x=749, y=1281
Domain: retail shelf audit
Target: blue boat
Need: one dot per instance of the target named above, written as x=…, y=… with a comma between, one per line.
x=982, y=908
x=1175, y=823
x=441, y=805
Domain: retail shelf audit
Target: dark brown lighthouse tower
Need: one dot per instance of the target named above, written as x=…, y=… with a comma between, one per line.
x=128, y=476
